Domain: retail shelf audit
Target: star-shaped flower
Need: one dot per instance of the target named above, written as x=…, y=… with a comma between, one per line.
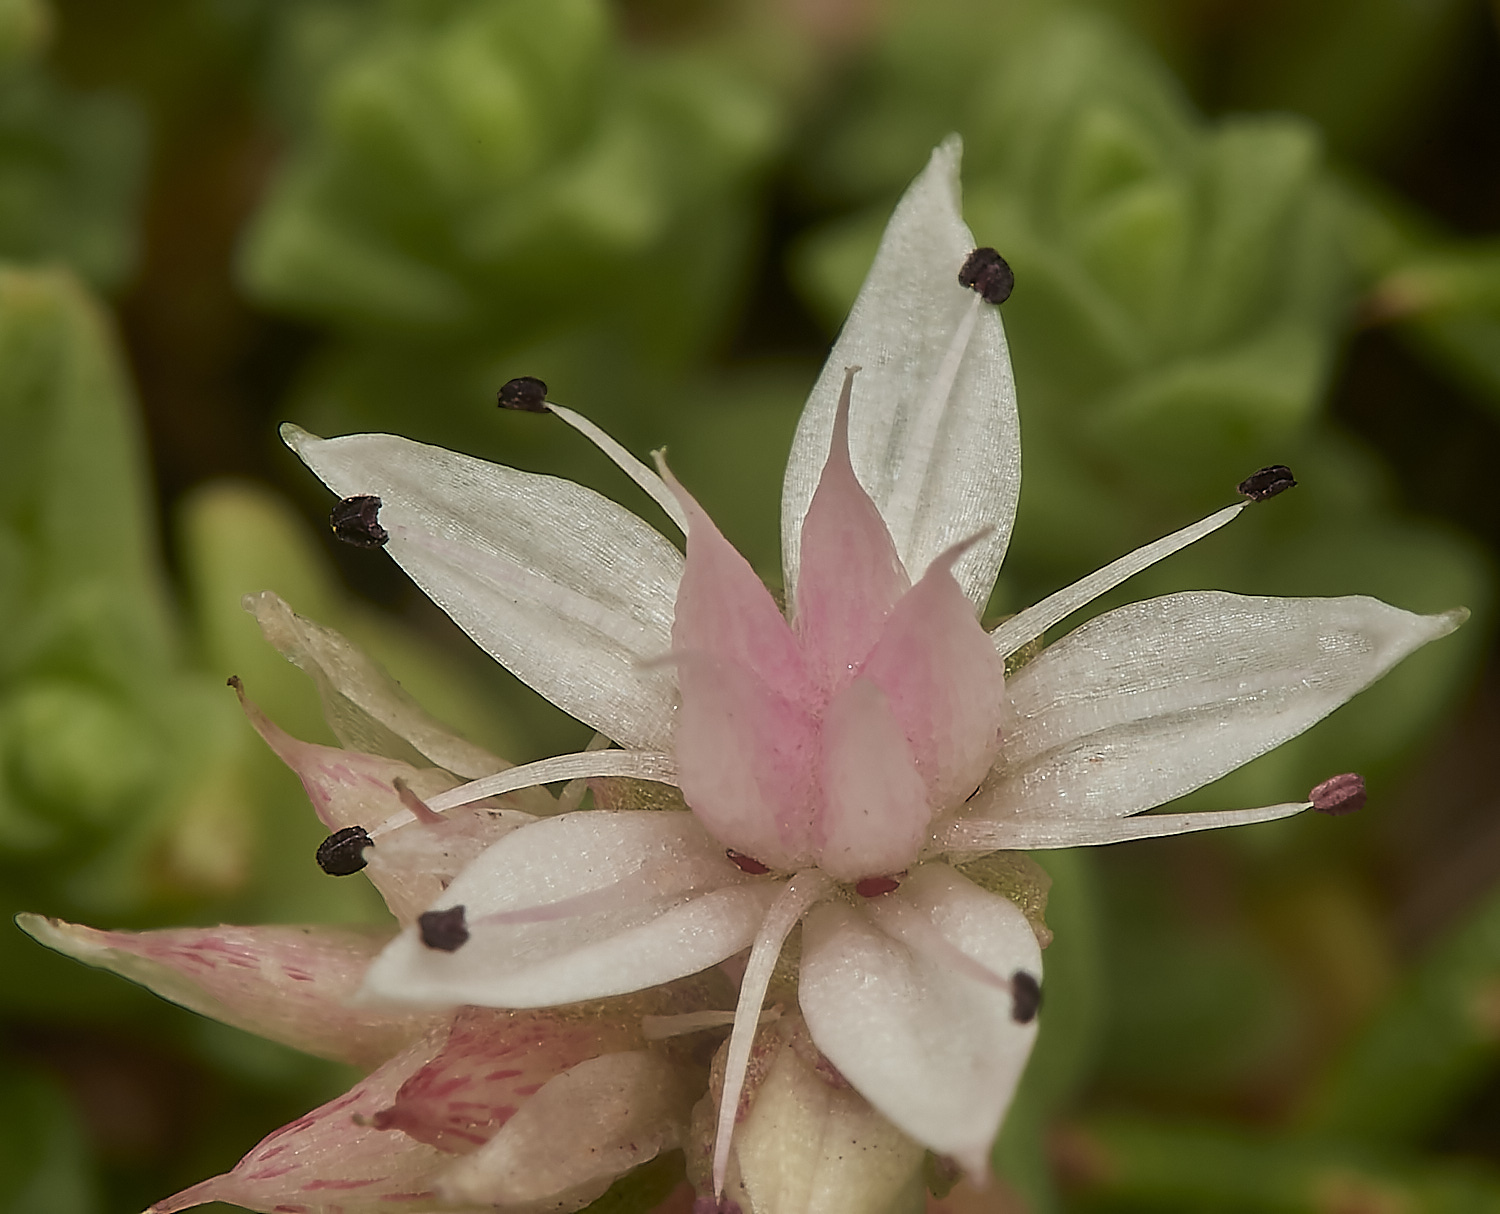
x=837, y=762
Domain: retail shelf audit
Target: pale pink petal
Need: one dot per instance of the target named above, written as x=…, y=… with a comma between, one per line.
x=851, y=576
x=724, y=611
x=945, y=683
x=875, y=808
x=334, y=1160
x=746, y=762
x=581, y=906
x=909, y=997
x=492, y=1062
x=578, y=1134
x=291, y=984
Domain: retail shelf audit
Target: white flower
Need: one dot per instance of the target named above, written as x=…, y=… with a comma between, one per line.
x=831, y=763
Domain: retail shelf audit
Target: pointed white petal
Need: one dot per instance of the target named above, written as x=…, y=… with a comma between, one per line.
x=570, y=592
x=583, y=1129
x=1034, y=833
x=1025, y=627
x=365, y=707
x=1148, y=702
x=933, y=432
x=909, y=998
x=579, y=907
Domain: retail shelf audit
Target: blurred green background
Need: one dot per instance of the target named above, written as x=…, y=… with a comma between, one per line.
x=1243, y=233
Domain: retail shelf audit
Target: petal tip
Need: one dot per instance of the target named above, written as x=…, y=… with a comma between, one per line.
x=1449, y=621
x=295, y=437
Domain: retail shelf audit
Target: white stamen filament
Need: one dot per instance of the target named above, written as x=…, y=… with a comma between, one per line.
x=900, y=509
x=660, y=1028
x=626, y=463
x=1021, y=629
x=635, y=764
x=1028, y=834
x=791, y=904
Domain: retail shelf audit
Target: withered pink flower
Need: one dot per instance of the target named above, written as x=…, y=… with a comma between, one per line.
x=836, y=760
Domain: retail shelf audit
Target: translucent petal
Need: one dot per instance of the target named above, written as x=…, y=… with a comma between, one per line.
x=747, y=762
x=581, y=906
x=334, y=1159
x=895, y=994
x=851, y=577
x=1153, y=700
x=933, y=431
x=945, y=684
x=568, y=591
x=290, y=984
x=875, y=809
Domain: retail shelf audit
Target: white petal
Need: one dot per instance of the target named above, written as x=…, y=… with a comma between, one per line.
x=582, y=1130
x=892, y=994
x=579, y=907
x=1025, y=627
x=570, y=592
x=1153, y=700
x=932, y=431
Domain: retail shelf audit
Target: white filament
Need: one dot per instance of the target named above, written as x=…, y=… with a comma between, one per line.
x=626, y=463
x=1024, y=834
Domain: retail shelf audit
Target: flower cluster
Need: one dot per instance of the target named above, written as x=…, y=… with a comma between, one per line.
x=839, y=767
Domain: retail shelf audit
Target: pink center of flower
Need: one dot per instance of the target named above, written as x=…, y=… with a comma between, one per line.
x=831, y=740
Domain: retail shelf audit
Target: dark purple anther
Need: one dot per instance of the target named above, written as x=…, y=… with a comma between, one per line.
x=1025, y=997
x=1267, y=483
x=986, y=271
x=747, y=864
x=342, y=854
x=356, y=520
x=526, y=393
x=1339, y=795
x=443, y=929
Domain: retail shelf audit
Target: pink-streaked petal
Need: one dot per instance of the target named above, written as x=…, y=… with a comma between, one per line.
x=1212, y=679
x=334, y=1160
x=578, y=1134
x=581, y=906
x=851, y=576
x=875, y=808
x=568, y=591
x=945, y=684
x=291, y=984
x=365, y=707
x=933, y=430
x=491, y=1064
x=908, y=997
x=725, y=612
x=747, y=762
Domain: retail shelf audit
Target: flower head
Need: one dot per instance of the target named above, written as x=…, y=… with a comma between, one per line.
x=834, y=759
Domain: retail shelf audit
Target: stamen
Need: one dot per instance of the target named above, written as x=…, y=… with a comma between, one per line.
x=415, y=805
x=986, y=272
x=444, y=930
x=1025, y=996
x=1339, y=795
x=1022, y=629
x=1031, y=834
x=660, y=1028
x=655, y=487
x=875, y=887
x=342, y=854
x=746, y=864
x=804, y=889
x=637, y=764
x=356, y=521
x=525, y=393
x=1267, y=483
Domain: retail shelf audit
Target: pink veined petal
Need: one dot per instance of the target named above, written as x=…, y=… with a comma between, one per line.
x=724, y=611
x=746, y=762
x=944, y=681
x=875, y=808
x=851, y=576
x=334, y=1159
x=909, y=997
x=492, y=1062
x=291, y=984
x=580, y=906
